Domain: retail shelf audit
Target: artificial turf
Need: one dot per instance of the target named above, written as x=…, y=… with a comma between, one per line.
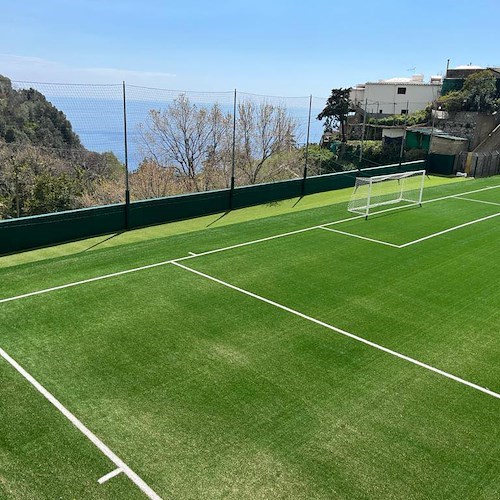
x=209, y=393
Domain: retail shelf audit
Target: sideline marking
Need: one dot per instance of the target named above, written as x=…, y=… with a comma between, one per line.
x=83, y=429
x=239, y=245
x=192, y=253
x=448, y=230
x=344, y=332
x=360, y=237
x=109, y=475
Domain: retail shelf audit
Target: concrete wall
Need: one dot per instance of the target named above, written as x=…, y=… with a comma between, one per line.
x=446, y=146
x=383, y=97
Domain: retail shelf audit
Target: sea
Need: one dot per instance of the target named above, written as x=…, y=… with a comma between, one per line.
x=100, y=125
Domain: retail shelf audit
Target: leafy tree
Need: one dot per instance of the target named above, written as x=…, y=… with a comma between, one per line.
x=336, y=111
x=452, y=101
x=26, y=116
x=52, y=194
x=480, y=91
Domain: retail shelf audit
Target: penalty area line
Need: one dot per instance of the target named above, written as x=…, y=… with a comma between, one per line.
x=344, y=332
x=380, y=242
x=120, y=464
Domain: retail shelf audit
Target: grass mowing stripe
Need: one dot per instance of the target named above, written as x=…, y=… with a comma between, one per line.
x=140, y=483
x=344, y=332
x=217, y=250
x=439, y=233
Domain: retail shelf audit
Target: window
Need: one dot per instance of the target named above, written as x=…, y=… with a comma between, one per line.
x=404, y=111
x=401, y=90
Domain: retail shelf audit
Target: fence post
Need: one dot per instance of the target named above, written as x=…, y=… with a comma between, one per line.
x=363, y=134
x=125, y=145
x=233, y=159
x=307, y=146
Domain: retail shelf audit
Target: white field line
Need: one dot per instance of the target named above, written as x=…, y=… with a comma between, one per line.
x=478, y=201
x=344, y=332
x=109, y=475
x=223, y=249
x=360, y=237
x=82, y=428
x=454, y=228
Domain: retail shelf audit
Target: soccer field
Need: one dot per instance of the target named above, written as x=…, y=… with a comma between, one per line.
x=309, y=354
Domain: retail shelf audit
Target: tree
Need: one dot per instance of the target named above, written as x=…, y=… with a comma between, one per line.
x=480, y=91
x=52, y=194
x=197, y=142
x=184, y=137
x=336, y=111
x=151, y=180
x=263, y=130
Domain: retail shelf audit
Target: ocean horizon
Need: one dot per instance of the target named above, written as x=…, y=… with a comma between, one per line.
x=100, y=126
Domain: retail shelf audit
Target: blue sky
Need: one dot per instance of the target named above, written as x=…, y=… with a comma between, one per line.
x=265, y=47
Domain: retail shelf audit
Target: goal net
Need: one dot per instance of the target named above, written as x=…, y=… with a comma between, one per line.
x=372, y=192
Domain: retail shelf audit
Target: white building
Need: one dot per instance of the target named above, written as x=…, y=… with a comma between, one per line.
x=396, y=95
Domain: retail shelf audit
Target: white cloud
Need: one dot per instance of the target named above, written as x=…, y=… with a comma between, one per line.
x=34, y=69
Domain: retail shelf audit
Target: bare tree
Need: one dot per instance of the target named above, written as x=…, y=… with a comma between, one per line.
x=263, y=131
x=187, y=138
x=151, y=180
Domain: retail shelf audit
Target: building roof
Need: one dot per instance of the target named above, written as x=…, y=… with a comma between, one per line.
x=468, y=66
x=435, y=132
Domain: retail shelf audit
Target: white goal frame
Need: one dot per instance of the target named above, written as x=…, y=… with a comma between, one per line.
x=389, y=189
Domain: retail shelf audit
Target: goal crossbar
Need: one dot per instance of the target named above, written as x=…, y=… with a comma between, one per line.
x=380, y=190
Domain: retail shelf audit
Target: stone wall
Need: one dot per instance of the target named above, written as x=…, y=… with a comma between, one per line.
x=470, y=125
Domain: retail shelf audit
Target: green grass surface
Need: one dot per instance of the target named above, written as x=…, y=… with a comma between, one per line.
x=206, y=392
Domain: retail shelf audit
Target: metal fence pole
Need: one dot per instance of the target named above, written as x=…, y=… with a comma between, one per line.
x=307, y=146
x=363, y=134
x=403, y=139
x=233, y=158
x=125, y=145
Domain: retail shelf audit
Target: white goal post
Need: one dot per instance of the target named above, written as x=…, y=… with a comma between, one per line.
x=372, y=192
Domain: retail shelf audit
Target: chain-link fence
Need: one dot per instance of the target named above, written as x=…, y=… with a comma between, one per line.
x=69, y=146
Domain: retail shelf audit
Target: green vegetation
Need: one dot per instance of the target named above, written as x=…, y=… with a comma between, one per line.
x=336, y=110
x=43, y=165
x=417, y=118
x=479, y=93
x=206, y=392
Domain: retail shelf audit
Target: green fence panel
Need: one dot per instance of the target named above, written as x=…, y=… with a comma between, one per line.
x=248, y=196
x=330, y=182
x=394, y=168
x=43, y=230
x=441, y=164
x=174, y=208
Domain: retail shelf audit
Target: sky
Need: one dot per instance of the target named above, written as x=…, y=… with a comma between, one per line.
x=273, y=47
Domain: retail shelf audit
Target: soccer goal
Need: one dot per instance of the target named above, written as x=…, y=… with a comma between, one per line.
x=372, y=192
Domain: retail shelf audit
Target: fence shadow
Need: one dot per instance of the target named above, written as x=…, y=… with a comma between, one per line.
x=218, y=218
